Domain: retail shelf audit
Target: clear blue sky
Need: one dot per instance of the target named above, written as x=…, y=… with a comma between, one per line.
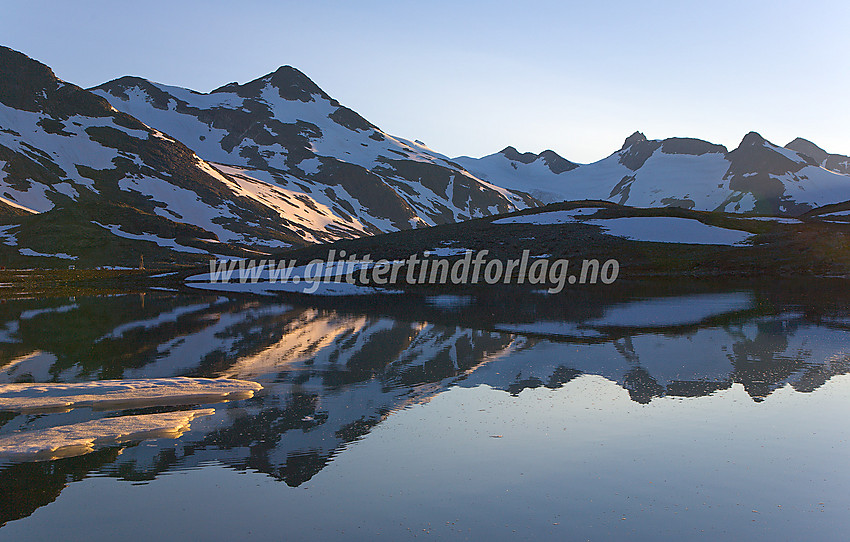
x=472, y=77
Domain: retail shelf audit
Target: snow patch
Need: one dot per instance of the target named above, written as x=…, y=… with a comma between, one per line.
x=442, y=252
x=664, y=229
x=31, y=252
x=161, y=241
x=7, y=237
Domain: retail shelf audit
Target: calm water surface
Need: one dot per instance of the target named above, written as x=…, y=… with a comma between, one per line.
x=698, y=415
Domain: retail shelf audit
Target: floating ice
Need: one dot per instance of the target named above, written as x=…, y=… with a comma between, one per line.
x=115, y=394
x=82, y=438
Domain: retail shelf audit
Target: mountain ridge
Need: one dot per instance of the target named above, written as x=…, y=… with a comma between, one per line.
x=132, y=167
x=757, y=176
x=835, y=162
x=82, y=182
x=284, y=124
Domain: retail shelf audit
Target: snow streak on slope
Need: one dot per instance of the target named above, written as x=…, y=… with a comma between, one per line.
x=301, y=142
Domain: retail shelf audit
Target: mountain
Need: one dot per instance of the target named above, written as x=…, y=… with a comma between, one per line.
x=835, y=162
x=132, y=169
x=87, y=181
x=758, y=176
x=84, y=183
x=536, y=174
x=284, y=134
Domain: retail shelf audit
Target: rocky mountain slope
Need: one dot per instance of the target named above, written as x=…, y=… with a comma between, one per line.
x=834, y=162
x=84, y=183
x=79, y=179
x=134, y=169
x=283, y=135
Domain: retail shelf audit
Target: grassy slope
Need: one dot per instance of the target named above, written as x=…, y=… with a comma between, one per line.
x=809, y=249
x=779, y=250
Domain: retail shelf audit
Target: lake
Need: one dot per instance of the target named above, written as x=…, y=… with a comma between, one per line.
x=608, y=414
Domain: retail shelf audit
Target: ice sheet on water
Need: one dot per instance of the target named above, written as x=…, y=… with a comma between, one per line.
x=112, y=394
x=82, y=438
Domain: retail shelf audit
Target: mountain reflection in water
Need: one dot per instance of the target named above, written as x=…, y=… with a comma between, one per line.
x=332, y=374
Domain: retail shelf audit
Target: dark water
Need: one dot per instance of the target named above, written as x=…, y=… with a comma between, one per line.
x=707, y=415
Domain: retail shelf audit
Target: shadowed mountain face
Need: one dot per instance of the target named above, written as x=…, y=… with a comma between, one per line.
x=93, y=184
x=86, y=183
x=331, y=375
x=549, y=158
x=758, y=176
x=834, y=162
x=134, y=168
x=284, y=131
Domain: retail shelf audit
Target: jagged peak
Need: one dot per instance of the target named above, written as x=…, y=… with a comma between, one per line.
x=555, y=162
x=157, y=94
x=287, y=74
x=29, y=85
x=801, y=140
x=125, y=80
x=549, y=153
x=636, y=137
x=292, y=84
x=129, y=81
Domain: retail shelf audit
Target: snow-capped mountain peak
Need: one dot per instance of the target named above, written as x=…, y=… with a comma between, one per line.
x=265, y=165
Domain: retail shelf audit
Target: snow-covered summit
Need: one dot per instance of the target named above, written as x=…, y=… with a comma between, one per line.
x=283, y=125
x=173, y=174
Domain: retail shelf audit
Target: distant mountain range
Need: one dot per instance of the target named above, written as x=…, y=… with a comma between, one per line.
x=757, y=177
x=134, y=168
